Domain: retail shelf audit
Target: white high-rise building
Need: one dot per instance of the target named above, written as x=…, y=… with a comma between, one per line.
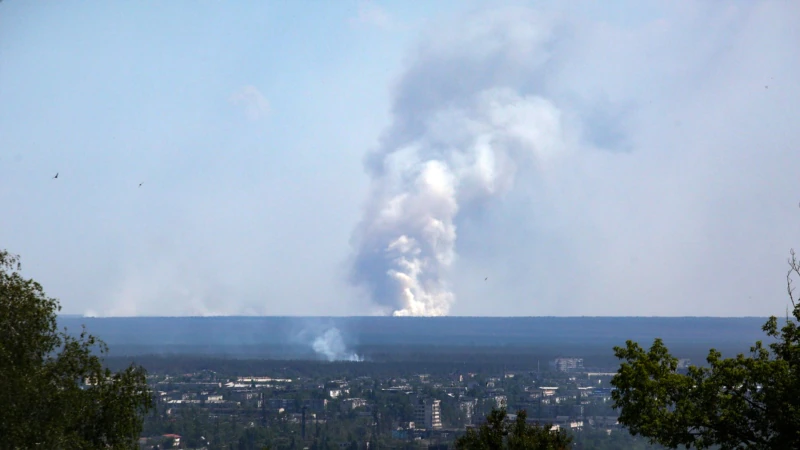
x=568, y=364
x=467, y=406
x=428, y=412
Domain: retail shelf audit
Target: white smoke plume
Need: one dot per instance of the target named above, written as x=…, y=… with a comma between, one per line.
x=454, y=144
x=331, y=345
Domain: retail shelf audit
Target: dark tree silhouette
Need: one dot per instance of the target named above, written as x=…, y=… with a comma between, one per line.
x=743, y=402
x=55, y=391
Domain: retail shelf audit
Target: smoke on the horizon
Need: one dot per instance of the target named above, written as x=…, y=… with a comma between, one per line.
x=331, y=346
x=453, y=145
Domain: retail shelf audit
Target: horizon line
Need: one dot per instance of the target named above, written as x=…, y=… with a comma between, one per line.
x=81, y=316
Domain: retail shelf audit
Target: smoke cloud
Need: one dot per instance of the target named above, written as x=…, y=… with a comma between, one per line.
x=453, y=146
x=331, y=346
x=655, y=174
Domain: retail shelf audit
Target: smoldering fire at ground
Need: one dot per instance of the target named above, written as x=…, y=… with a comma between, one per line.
x=331, y=346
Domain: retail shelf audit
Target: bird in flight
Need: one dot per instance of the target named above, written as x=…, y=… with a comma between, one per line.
x=485, y=278
x=55, y=176
x=140, y=184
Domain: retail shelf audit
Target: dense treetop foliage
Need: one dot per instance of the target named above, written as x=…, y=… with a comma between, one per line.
x=498, y=433
x=750, y=401
x=54, y=391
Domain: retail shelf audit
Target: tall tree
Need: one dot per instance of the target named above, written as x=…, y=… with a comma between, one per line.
x=748, y=401
x=498, y=433
x=54, y=391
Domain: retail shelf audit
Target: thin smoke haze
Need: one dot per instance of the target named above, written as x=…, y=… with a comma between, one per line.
x=331, y=346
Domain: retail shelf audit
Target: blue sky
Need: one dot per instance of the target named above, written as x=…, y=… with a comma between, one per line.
x=640, y=155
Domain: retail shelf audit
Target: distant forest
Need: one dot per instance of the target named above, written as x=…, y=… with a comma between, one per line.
x=515, y=343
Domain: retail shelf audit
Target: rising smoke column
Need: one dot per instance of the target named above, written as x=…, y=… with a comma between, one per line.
x=463, y=124
x=331, y=346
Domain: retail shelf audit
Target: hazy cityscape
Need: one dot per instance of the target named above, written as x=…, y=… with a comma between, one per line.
x=406, y=410
x=388, y=382
x=399, y=224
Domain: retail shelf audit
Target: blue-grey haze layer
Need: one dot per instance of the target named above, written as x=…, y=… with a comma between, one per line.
x=240, y=335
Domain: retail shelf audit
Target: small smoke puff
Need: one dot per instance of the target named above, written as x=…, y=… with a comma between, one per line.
x=331, y=345
x=252, y=101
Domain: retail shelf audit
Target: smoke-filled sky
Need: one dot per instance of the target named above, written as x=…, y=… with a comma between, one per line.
x=359, y=158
